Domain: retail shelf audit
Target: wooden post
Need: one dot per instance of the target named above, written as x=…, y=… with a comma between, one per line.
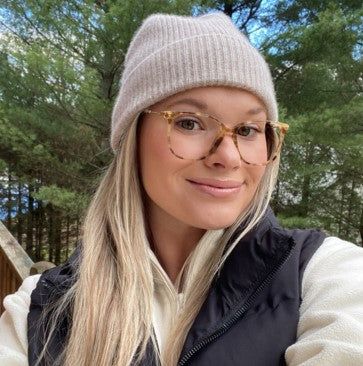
x=15, y=264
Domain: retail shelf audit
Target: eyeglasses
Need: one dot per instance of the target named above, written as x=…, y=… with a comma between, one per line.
x=195, y=135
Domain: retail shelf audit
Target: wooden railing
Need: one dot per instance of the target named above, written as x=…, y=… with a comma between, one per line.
x=15, y=264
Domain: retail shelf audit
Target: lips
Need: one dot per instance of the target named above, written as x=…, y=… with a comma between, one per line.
x=216, y=183
x=215, y=187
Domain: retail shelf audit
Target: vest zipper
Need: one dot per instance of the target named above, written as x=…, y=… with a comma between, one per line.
x=239, y=313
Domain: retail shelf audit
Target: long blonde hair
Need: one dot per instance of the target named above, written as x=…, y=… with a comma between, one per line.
x=113, y=294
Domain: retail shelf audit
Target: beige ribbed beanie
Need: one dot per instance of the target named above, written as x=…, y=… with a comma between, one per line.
x=170, y=54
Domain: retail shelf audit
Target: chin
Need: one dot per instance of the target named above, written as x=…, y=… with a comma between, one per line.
x=216, y=223
x=215, y=217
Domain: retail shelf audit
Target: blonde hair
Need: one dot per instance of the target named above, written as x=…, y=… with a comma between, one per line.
x=113, y=293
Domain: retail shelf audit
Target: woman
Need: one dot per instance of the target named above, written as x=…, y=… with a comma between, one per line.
x=182, y=261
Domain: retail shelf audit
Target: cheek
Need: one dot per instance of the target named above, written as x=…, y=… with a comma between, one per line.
x=256, y=173
x=155, y=158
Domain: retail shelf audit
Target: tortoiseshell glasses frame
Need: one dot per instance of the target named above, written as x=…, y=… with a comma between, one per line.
x=276, y=131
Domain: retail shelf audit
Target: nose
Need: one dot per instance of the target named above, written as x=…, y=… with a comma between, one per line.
x=224, y=154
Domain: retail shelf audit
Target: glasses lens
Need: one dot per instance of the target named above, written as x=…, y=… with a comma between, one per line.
x=257, y=142
x=192, y=136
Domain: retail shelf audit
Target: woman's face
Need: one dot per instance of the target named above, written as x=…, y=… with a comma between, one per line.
x=208, y=193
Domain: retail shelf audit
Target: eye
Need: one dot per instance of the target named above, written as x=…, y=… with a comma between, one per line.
x=188, y=124
x=248, y=130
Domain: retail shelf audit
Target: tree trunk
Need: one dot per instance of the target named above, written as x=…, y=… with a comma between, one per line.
x=20, y=214
x=340, y=218
x=30, y=222
x=57, y=238
x=275, y=203
x=51, y=233
x=77, y=230
x=351, y=204
x=67, y=237
x=107, y=74
x=39, y=225
x=9, y=202
x=305, y=189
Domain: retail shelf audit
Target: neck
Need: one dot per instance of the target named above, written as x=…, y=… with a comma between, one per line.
x=172, y=241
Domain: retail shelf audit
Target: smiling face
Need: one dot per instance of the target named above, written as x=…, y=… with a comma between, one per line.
x=209, y=193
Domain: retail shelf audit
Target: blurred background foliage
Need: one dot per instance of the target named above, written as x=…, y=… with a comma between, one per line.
x=60, y=65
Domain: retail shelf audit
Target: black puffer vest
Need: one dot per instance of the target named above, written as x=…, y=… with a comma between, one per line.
x=249, y=317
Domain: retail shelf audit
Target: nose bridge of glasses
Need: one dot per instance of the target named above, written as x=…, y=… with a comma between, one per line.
x=223, y=131
x=168, y=115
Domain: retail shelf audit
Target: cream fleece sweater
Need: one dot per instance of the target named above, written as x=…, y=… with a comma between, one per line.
x=330, y=329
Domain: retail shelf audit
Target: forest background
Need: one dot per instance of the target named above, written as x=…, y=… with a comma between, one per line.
x=60, y=65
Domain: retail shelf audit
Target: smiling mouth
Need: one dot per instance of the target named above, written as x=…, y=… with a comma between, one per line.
x=219, y=189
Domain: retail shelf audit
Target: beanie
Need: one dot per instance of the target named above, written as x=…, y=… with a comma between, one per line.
x=170, y=54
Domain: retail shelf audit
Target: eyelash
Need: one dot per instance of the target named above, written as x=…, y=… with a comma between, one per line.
x=188, y=119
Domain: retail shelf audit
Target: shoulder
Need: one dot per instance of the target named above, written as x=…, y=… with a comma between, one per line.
x=20, y=300
x=13, y=324
x=337, y=247
x=330, y=328
x=333, y=276
x=55, y=282
x=334, y=261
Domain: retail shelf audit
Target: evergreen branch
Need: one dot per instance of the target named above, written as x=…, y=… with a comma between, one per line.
x=16, y=34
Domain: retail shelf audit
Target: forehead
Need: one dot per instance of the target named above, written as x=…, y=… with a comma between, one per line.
x=218, y=100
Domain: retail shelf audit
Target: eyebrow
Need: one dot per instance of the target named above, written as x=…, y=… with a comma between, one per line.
x=194, y=102
x=256, y=110
x=204, y=106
